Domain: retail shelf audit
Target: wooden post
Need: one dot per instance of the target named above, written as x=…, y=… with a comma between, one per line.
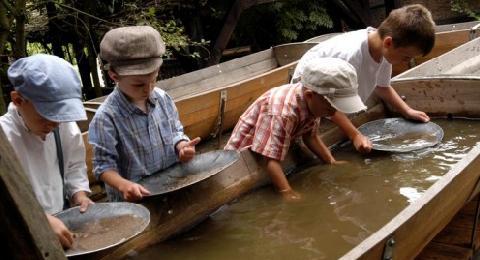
x=229, y=26
x=25, y=231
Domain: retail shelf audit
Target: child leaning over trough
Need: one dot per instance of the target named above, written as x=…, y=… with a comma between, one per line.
x=136, y=131
x=284, y=113
x=46, y=102
x=406, y=33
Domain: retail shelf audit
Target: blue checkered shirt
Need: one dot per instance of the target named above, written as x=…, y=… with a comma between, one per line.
x=132, y=142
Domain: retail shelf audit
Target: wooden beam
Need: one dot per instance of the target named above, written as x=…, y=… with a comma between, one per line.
x=229, y=26
x=25, y=230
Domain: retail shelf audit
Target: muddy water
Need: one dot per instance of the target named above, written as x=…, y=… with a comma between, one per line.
x=342, y=205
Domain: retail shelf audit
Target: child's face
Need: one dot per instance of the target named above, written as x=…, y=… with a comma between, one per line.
x=136, y=87
x=37, y=124
x=399, y=55
x=318, y=105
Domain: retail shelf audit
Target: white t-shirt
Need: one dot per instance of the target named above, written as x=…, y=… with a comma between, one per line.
x=352, y=47
x=40, y=162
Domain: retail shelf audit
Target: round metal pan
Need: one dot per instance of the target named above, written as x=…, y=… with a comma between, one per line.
x=181, y=175
x=103, y=225
x=401, y=135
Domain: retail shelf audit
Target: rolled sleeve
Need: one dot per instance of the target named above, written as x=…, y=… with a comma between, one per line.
x=103, y=138
x=75, y=177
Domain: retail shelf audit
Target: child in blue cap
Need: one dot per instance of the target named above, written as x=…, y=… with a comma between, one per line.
x=40, y=125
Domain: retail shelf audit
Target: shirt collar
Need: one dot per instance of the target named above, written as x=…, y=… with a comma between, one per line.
x=126, y=108
x=13, y=111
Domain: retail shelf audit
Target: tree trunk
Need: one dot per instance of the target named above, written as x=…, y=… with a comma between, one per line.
x=19, y=50
x=53, y=31
x=4, y=31
x=92, y=61
x=83, y=67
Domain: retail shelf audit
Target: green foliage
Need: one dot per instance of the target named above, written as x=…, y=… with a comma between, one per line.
x=463, y=6
x=298, y=16
x=282, y=21
x=161, y=17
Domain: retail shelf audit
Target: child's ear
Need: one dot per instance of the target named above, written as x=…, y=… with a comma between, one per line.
x=17, y=99
x=113, y=75
x=308, y=93
x=388, y=42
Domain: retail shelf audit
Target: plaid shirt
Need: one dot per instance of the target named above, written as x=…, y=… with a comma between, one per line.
x=132, y=142
x=270, y=124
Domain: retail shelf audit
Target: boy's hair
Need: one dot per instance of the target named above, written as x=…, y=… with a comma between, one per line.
x=411, y=25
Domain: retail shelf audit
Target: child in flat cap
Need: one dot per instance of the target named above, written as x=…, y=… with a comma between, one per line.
x=47, y=98
x=282, y=114
x=136, y=131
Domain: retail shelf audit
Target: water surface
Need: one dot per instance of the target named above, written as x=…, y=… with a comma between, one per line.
x=342, y=205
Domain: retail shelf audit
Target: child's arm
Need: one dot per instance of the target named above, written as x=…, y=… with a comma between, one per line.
x=131, y=191
x=103, y=137
x=316, y=145
x=389, y=95
x=279, y=180
x=63, y=234
x=361, y=142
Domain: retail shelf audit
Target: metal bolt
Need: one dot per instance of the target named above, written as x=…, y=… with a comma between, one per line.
x=391, y=242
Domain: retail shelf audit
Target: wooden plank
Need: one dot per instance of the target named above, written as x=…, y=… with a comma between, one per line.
x=458, y=236
x=83, y=125
x=222, y=79
x=442, y=96
x=441, y=251
x=222, y=68
x=25, y=229
x=290, y=52
x=89, y=159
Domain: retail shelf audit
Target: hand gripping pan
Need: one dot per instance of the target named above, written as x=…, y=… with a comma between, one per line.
x=181, y=175
x=401, y=135
x=103, y=225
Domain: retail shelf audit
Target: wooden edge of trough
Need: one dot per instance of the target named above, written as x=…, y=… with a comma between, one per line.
x=419, y=222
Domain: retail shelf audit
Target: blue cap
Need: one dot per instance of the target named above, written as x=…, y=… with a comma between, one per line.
x=51, y=84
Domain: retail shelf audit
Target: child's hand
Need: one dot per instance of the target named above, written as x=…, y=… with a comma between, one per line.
x=417, y=115
x=335, y=162
x=362, y=143
x=81, y=199
x=132, y=191
x=64, y=235
x=291, y=195
x=186, y=150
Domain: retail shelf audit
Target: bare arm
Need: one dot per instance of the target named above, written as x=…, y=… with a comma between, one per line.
x=361, y=142
x=389, y=95
x=131, y=191
x=279, y=180
x=317, y=146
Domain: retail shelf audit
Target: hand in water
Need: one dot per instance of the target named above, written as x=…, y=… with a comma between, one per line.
x=133, y=191
x=362, y=143
x=335, y=162
x=64, y=235
x=291, y=195
x=186, y=150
